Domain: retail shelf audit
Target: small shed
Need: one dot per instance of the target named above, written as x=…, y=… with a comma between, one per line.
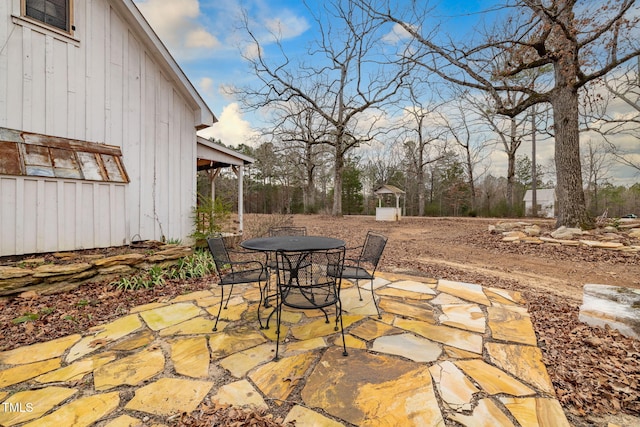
x=545, y=199
x=386, y=213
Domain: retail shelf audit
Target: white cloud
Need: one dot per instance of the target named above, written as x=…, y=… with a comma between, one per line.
x=206, y=86
x=397, y=34
x=286, y=25
x=200, y=38
x=232, y=128
x=177, y=24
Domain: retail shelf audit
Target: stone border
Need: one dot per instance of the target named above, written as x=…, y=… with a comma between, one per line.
x=36, y=274
x=604, y=238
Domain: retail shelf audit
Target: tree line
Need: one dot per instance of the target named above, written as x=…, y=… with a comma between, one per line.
x=274, y=185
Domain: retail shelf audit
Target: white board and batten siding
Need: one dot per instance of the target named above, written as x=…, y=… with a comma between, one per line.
x=109, y=83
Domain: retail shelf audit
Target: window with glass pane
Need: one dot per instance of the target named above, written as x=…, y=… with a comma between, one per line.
x=51, y=12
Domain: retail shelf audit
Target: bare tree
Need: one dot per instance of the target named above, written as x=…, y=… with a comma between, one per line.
x=510, y=133
x=462, y=124
x=579, y=41
x=596, y=159
x=616, y=114
x=423, y=135
x=300, y=135
x=346, y=78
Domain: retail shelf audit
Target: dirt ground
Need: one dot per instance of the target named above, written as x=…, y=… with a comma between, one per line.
x=464, y=247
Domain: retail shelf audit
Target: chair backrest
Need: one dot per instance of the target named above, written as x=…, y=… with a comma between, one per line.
x=303, y=281
x=373, y=247
x=219, y=252
x=287, y=231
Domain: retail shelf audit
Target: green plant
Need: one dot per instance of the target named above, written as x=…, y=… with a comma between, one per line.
x=200, y=264
x=27, y=317
x=131, y=283
x=155, y=276
x=174, y=241
x=209, y=217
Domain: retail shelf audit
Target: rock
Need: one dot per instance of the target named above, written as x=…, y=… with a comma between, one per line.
x=635, y=233
x=60, y=269
x=13, y=273
x=126, y=259
x=513, y=236
x=170, y=254
x=615, y=306
x=10, y=286
x=611, y=236
x=533, y=231
x=116, y=269
x=610, y=229
x=560, y=241
x=603, y=245
x=510, y=226
x=566, y=233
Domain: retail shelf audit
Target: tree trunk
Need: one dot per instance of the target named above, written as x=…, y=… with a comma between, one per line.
x=572, y=211
x=337, y=179
x=511, y=164
x=420, y=171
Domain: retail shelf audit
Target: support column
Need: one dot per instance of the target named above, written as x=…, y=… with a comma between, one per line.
x=239, y=171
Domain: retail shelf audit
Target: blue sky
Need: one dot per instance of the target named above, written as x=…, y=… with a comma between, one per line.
x=205, y=38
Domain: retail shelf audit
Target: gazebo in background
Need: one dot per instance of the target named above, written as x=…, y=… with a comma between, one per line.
x=384, y=213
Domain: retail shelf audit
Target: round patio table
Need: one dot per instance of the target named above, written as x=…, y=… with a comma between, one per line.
x=292, y=243
x=302, y=244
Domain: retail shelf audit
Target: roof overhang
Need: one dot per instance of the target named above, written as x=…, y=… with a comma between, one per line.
x=388, y=189
x=213, y=156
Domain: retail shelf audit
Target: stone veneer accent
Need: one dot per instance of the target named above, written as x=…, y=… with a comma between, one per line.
x=49, y=278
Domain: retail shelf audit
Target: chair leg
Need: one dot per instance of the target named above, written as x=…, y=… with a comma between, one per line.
x=344, y=342
x=228, y=298
x=262, y=297
x=358, y=288
x=278, y=310
x=215, y=326
x=373, y=296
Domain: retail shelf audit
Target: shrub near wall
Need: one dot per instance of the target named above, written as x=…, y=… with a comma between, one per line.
x=64, y=271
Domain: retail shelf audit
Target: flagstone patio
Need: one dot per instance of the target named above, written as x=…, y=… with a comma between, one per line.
x=443, y=350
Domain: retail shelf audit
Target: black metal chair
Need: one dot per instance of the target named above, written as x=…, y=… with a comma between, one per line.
x=363, y=267
x=288, y=230
x=303, y=283
x=233, y=272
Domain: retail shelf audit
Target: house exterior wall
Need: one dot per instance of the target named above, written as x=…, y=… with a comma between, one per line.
x=105, y=84
x=546, y=201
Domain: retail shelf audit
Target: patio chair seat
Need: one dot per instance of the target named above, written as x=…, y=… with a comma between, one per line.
x=246, y=276
x=232, y=272
x=356, y=273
